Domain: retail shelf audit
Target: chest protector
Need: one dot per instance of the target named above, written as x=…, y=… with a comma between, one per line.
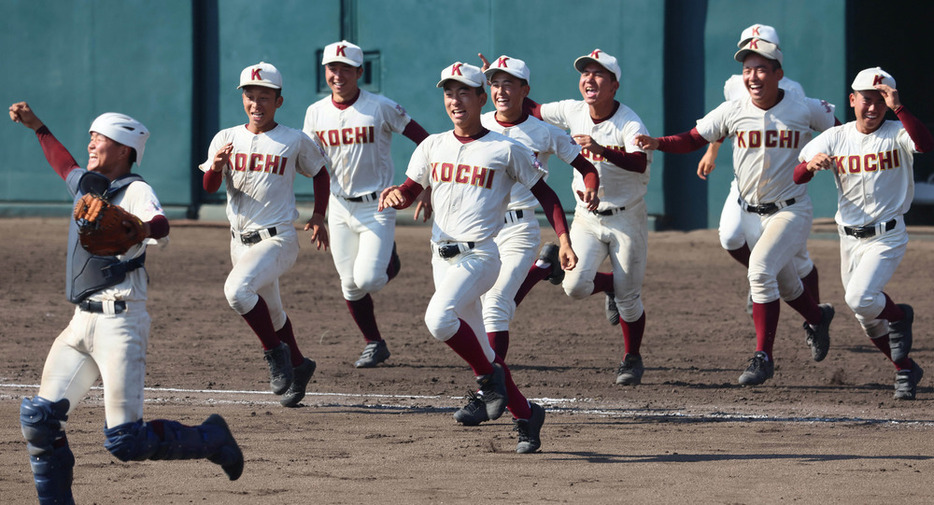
x=88, y=273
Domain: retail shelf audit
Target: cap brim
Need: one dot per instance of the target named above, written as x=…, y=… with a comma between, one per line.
x=460, y=80
x=742, y=53
x=260, y=84
x=348, y=61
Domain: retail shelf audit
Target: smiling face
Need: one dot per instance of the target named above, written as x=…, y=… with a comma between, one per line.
x=463, y=104
x=342, y=79
x=260, y=104
x=508, y=93
x=760, y=76
x=597, y=85
x=108, y=157
x=869, y=107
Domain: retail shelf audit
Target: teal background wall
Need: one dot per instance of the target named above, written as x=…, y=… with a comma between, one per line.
x=74, y=60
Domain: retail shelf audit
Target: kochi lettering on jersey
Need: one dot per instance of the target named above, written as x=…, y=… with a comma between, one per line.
x=347, y=136
x=871, y=162
x=257, y=162
x=754, y=139
x=599, y=157
x=481, y=177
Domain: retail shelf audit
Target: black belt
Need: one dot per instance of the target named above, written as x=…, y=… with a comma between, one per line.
x=452, y=250
x=766, y=209
x=868, y=231
x=372, y=196
x=518, y=213
x=253, y=237
x=609, y=212
x=98, y=307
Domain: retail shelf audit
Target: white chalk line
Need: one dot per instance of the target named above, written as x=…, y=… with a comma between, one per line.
x=575, y=406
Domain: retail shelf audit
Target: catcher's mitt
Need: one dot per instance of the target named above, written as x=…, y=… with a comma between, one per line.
x=105, y=229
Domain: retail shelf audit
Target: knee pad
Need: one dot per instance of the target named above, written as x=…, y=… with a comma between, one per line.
x=50, y=457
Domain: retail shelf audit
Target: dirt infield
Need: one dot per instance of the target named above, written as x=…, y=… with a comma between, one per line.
x=826, y=432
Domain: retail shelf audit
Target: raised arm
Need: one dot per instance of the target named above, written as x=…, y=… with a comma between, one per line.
x=55, y=153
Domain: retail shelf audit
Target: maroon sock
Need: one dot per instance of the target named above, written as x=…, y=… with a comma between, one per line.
x=741, y=254
x=891, y=312
x=286, y=335
x=259, y=320
x=518, y=405
x=499, y=341
x=465, y=344
x=536, y=274
x=765, y=317
x=632, y=334
x=362, y=312
x=602, y=282
x=807, y=307
x=811, y=284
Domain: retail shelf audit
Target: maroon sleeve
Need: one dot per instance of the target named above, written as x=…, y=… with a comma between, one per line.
x=632, y=162
x=415, y=132
x=532, y=108
x=410, y=191
x=682, y=142
x=802, y=175
x=919, y=133
x=586, y=169
x=553, y=210
x=158, y=227
x=212, y=180
x=55, y=153
x=322, y=188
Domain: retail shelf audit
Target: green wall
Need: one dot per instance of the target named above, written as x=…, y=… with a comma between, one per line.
x=74, y=60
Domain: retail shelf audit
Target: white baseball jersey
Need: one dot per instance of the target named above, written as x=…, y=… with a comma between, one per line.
x=734, y=89
x=471, y=182
x=618, y=187
x=766, y=143
x=873, y=172
x=544, y=140
x=357, y=139
x=261, y=174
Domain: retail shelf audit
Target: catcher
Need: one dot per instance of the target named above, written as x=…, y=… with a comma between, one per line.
x=116, y=216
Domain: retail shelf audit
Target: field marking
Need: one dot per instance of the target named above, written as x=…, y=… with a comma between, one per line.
x=574, y=406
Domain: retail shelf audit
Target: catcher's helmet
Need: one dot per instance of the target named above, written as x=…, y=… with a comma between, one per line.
x=124, y=130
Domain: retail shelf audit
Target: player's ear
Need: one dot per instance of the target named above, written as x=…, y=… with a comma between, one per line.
x=360, y=71
x=483, y=97
x=853, y=99
x=279, y=101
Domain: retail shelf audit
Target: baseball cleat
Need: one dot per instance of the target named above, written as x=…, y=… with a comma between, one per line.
x=373, y=354
x=280, y=368
x=900, y=333
x=530, y=430
x=612, y=310
x=760, y=369
x=818, y=337
x=296, y=390
x=630, y=371
x=906, y=382
x=493, y=392
x=549, y=254
x=473, y=413
x=228, y=456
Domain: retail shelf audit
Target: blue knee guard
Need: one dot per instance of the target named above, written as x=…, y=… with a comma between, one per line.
x=49, y=455
x=163, y=439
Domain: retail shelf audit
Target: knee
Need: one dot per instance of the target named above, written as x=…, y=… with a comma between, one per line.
x=240, y=297
x=862, y=303
x=41, y=421
x=497, y=312
x=133, y=441
x=372, y=282
x=732, y=239
x=442, y=325
x=630, y=309
x=577, y=290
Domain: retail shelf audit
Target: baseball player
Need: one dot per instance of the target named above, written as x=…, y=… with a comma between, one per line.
x=259, y=161
x=355, y=127
x=109, y=332
x=471, y=172
x=520, y=236
x=872, y=160
x=618, y=228
x=769, y=128
x=730, y=230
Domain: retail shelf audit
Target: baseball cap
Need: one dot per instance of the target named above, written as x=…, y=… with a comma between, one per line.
x=601, y=58
x=759, y=46
x=512, y=66
x=122, y=129
x=261, y=74
x=462, y=72
x=764, y=32
x=342, y=52
x=868, y=78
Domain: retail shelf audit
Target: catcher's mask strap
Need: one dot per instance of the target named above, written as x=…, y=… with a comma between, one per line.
x=93, y=183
